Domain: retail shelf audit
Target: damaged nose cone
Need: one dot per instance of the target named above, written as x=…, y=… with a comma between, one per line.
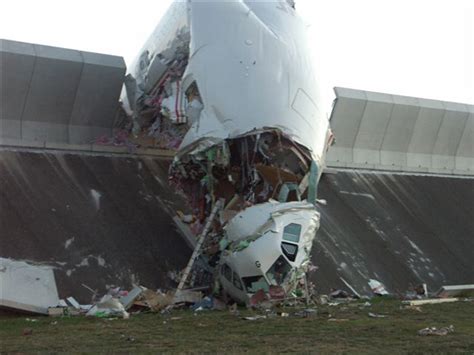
x=267, y=245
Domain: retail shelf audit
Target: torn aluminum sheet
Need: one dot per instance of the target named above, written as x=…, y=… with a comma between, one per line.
x=27, y=287
x=233, y=84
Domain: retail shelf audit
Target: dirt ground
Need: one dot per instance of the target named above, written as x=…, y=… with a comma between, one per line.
x=342, y=328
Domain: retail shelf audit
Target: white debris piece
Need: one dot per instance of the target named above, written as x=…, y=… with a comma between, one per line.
x=96, y=195
x=68, y=242
x=72, y=301
x=108, y=306
x=377, y=288
x=456, y=291
x=27, y=287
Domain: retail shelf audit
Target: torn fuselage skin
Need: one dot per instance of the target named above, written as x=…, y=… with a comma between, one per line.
x=260, y=148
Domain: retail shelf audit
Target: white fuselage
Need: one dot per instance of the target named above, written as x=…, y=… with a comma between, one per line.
x=250, y=65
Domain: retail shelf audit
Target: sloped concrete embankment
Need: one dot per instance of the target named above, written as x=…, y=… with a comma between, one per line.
x=103, y=220
x=100, y=220
x=401, y=230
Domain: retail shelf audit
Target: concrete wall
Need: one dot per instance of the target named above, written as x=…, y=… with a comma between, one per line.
x=397, y=133
x=98, y=219
x=56, y=95
x=109, y=220
x=402, y=230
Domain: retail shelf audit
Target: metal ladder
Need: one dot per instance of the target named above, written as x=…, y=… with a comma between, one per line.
x=197, y=250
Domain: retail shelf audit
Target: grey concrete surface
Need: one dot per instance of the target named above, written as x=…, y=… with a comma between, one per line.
x=99, y=220
x=57, y=95
x=464, y=158
x=399, y=229
x=17, y=61
x=105, y=220
x=398, y=133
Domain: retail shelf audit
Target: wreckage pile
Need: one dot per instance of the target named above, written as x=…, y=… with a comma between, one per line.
x=263, y=167
x=246, y=171
x=18, y=292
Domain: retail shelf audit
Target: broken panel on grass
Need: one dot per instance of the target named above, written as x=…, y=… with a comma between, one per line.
x=27, y=287
x=231, y=87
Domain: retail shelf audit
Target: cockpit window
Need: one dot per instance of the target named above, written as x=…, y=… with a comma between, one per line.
x=290, y=250
x=279, y=271
x=292, y=232
x=255, y=283
x=236, y=281
x=227, y=272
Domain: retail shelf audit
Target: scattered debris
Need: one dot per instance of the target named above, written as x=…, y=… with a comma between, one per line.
x=73, y=303
x=27, y=331
x=254, y=317
x=154, y=301
x=276, y=292
x=258, y=297
x=377, y=288
x=339, y=294
x=186, y=296
x=417, y=292
x=205, y=304
x=233, y=308
x=430, y=301
x=435, y=331
x=306, y=313
x=127, y=338
x=375, y=315
x=356, y=294
x=323, y=299
x=108, y=306
x=456, y=291
x=412, y=308
x=127, y=301
x=56, y=311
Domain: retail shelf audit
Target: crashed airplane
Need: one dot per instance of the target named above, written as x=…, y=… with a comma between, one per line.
x=231, y=87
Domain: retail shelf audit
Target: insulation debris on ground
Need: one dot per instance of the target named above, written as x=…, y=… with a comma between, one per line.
x=436, y=331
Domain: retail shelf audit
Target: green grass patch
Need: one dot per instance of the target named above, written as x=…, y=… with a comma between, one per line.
x=212, y=331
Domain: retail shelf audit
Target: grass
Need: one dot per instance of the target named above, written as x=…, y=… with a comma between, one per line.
x=222, y=332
